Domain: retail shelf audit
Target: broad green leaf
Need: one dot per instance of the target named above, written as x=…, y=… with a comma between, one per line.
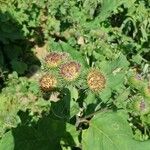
x=105, y=67
x=116, y=81
x=70, y=138
x=121, y=99
x=108, y=6
x=7, y=141
x=18, y=66
x=9, y=110
x=65, y=47
x=114, y=66
x=34, y=87
x=66, y=107
x=119, y=63
x=74, y=93
x=90, y=98
x=129, y=3
x=13, y=51
x=74, y=53
x=89, y=7
x=46, y=134
x=111, y=130
x=90, y=102
x=1, y=59
x=137, y=59
x=105, y=94
x=74, y=108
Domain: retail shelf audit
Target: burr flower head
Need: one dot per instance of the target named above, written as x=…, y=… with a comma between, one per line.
x=96, y=80
x=48, y=82
x=70, y=70
x=54, y=59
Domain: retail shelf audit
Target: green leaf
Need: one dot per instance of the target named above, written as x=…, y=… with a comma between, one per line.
x=129, y=3
x=108, y=6
x=1, y=59
x=34, y=87
x=111, y=130
x=121, y=99
x=46, y=134
x=13, y=51
x=105, y=94
x=71, y=132
x=114, y=66
x=90, y=102
x=18, y=66
x=105, y=67
x=115, y=81
x=65, y=47
x=66, y=107
x=7, y=142
x=74, y=93
x=137, y=59
x=9, y=110
x=90, y=98
x=74, y=108
x=120, y=63
x=74, y=53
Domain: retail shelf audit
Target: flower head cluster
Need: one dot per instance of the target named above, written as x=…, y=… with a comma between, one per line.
x=54, y=59
x=96, y=80
x=70, y=70
x=48, y=82
x=64, y=72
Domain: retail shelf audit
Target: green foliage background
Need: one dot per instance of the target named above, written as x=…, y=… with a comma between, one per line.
x=112, y=35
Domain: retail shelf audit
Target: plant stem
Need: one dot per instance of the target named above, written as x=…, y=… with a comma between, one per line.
x=96, y=112
x=85, y=119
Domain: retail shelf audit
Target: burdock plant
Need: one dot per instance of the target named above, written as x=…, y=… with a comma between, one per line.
x=140, y=105
x=48, y=82
x=70, y=71
x=146, y=92
x=96, y=80
x=54, y=59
